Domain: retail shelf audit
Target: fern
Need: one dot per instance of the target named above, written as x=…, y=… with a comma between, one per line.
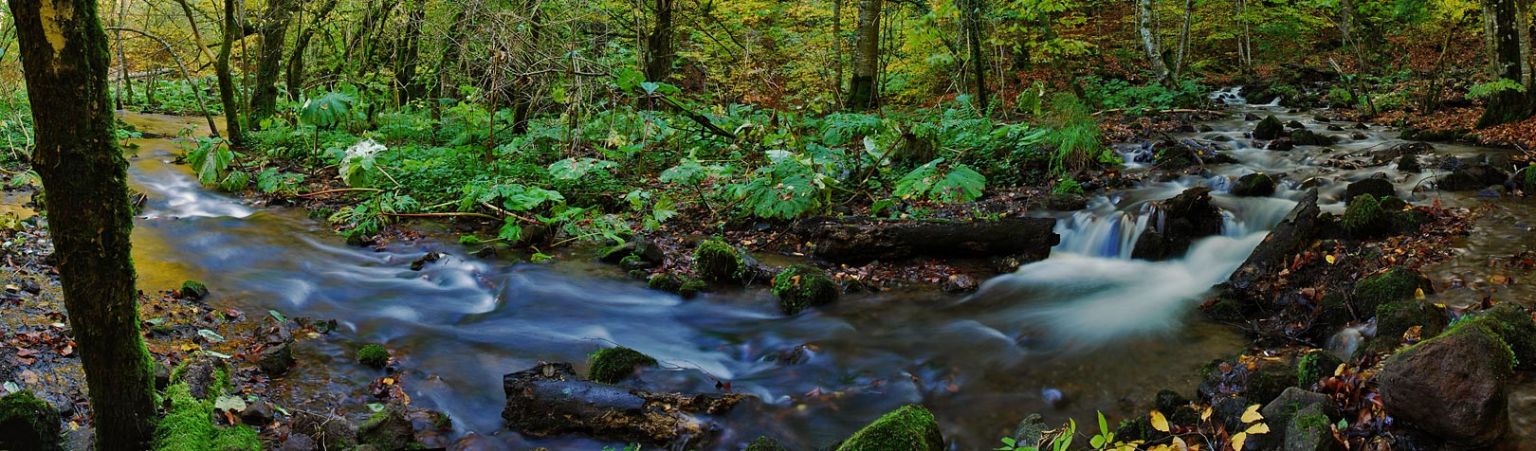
x=959, y=183
x=1489, y=89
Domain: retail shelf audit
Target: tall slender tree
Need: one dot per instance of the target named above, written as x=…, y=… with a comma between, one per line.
x=232, y=29
x=659, y=49
x=974, y=9
x=301, y=46
x=64, y=57
x=269, y=64
x=1508, y=105
x=866, y=57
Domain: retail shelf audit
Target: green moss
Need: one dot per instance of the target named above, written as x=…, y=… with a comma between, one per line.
x=1255, y=184
x=1513, y=324
x=1364, y=216
x=1266, y=384
x=388, y=429
x=611, y=365
x=1396, y=284
x=910, y=427
x=765, y=444
x=373, y=355
x=1313, y=422
x=716, y=261
x=799, y=287
x=189, y=425
x=1314, y=366
x=1393, y=319
x=27, y=423
x=193, y=289
x=687, y=287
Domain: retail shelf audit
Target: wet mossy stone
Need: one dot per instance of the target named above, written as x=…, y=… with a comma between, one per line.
x=374, y=356
x=1512, y=323
x=27, y=423
x=1266, y=383
x=1268, y=129
x=765, y=444
x=1314, y=366
x=611, y=365
x=1311, y=138
x=1379, y=187
x=1396, y=284
x=1257, y=184
x=388, y=430
x=911, y=427
x=1309, y=430
x=193, y=290
x=1394, y=319
x=715, y=261
x=800, y=287
x=684, y=286
x=1454, y=387
x=1365, y=217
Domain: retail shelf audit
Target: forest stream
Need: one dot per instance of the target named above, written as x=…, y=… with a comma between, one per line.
x=1088, y=329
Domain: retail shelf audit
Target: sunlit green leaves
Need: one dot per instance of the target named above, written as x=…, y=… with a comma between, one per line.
x=211, y=158
x=944, y=184
x=576, y=168
x=327, y=111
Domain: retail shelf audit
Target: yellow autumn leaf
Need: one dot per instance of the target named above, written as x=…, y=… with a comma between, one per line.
x=1340, y=370
x=1331, y=260
x=1159, y=422
x=1257, y=428
x=389, y=381
x=1252, y=414
x=1238, y=441
x=1179, y=445
x=1418, y=293
x=1206, y=415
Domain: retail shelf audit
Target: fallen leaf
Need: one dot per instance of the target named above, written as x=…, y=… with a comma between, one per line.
x=1159, y=422
x=1252, y=414
x=1238, y=440
x=1331, y=260
x=1418, y=293
x=1257, y=428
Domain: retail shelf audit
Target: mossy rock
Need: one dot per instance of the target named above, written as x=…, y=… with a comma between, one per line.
x=1365, y=217
x=1266, y=383
x=684, y=286
x=910, y=427
x=717, y=262
x=800, y=287
x=1393, y=319
x=28, y=423
x=1314, y=366
x=388, y=429
x=1269, y=129
x=189, y=425
x=1311, y=138
x=1257, y=184
x=611, y=365
x=193, y=290
x=373, y=356
x=1396, y=284
x=1512, y=323
x=765, y=444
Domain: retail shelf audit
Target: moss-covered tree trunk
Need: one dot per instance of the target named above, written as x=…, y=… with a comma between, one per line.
x=408, y=55
x=64, y=57
x=866, y=57
x=658, y=43
x=1508, y=105
x=301, y=45
x=974, y=39
x=274, y=37
x=226, y=79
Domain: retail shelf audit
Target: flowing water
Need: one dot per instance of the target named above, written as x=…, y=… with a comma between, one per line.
x=1088, y=329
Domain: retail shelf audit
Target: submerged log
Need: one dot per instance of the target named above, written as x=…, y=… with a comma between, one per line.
x=549, y=399
x=1289, y=237
x=861, y=240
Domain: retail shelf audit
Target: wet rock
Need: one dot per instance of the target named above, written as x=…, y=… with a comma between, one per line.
x=1365, y=217
x=1394, y=319
x=1311, y=138
x=959, y=283
x=716, y=262
x=275, y=360
x=330, y=431
x=422, y=261
x=1472, y=177
x=635, y=263
x=1287, y=238
x=257, y=413
x=1357, y=136
x=1291, y=403
x=1066, y=202
x=1454, y=386
x=765, y=444
x=1204, y=128
x=1185, y=153
x=477, y=442
x=192, y=290
x=687, y=287
x=1250, y=117
x=1397, y=283
x=388, y=430
x=612, y=365
x=1030, y=430
x=1281, y=144
x=1308, y=430
x=1511, y=322
x=162, y=376
x=802, y=286
x=1409, y=164
x=200, y=376
x=861, y=240
x=549, y=400
x=1183, y=220
x=1229, y=411
x=299, y=442
x=373, y=356
x=1257, y=184
x=1374, y=186
x=1295, y=124
x=1314, y=366
x=1269, y=129
x=1334, y=128
x=910, y=427
x=28, y=423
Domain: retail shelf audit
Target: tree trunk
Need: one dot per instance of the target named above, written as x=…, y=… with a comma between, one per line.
x=1508, y=105
x=274, y=34
x=1178, y=61
x=659, y=49
x=197, y=34
x=64, y=55
x=866, y=57
x=226, y=80
x=125, y=93
x=1148, y=42
x=837, y=52
x=408, y=53
x=300, y=46
x=973, y=14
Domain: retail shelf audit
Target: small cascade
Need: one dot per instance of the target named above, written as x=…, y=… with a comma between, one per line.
x=1229, y=96
x=1095, y=233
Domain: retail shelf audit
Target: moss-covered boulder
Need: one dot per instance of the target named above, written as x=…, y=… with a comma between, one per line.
x=910, y=427
x=687, y=287
x=28, y=423
x=1311, y=138
x=1513, y=323
x=373, y=356
x=1396, y=284
x=1308, y=430
x=1268, y=129
x=1268, y=381
x=765, y=444
x=1454, y=387
x=1379, y=188
x=1314, y=366
x=1257, y=184
x=800, y=287
x=388, y=430
x=717, y=262
x=193, y=290
x=1394, y=320
x=1365, y=217
x=611, y=365
x=1294, y=402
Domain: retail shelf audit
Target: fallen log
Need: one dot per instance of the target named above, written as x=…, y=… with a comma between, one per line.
x=549, y=399
x=861, y=240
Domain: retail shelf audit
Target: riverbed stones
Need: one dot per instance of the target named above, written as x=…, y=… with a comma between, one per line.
x=717, y=262
x=1308, y=430
x=27, y=422
x=911, y=427
x=373, y=356
x=548, y=399
x=1364, y=217
x=1512, y=323
x=1257, y=184
x=1183, y=220
x=192, y=290
x=799, y=287
x=276, y=359
x=1375, y=186
x=1311, y=138
x=1454, y=386
x=860, y=240
x=388, y=430
x=1278, y=414
x=330, y=431
x=1269, y=129
x=1395, y=284
x=1472, y=177
x=685, y=286
x=612, y=365
x=1397, y=319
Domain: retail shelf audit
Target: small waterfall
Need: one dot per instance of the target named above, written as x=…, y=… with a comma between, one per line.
x=1094, y=234
x=1229, y=96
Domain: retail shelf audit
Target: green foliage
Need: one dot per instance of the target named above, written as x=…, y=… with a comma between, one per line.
x=1075, y=136
x=800, y=286
x=271, y=181
x=28, y=423
x=953, y=184
x=189, y=422
x=1066, y=185
x=236, y=181
x=1364, y=216
x=612, y=365
x=359, y=168
x=211, y=158
x=1117, y=94
x=785, y=189
x=1489, y=89
x=330, y=110
x=373, y=355
x=909, y=427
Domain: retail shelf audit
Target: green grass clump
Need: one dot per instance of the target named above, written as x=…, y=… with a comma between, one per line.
x=373, y=355
x=799, y=287
x=27, y=423
x=188, y=425
x=910, y=427
x=716, y=261
x=611, y=365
